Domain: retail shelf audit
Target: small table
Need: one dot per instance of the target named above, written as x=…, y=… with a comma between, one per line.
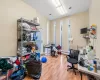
x=85, y=70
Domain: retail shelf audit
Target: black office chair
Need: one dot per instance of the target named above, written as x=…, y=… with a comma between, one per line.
x=73, y=59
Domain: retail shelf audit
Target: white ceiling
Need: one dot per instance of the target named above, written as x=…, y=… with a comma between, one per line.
x=46, y=7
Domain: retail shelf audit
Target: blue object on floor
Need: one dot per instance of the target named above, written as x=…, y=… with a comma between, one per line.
x=43, y=59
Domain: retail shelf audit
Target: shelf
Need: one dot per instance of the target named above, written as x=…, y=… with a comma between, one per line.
x=37, y=50
x=31, y=41
x=30, y=30
x=89, y=38
x=86, y=37
x=30, y=52
x=28, y=22
x=26, y=53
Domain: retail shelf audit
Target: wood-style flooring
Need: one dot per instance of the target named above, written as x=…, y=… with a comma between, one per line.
x=56, y=69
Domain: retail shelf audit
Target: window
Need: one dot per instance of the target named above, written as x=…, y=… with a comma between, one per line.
x=61, y=25
x=54, y=32
x=48, y=32
x=69, y=34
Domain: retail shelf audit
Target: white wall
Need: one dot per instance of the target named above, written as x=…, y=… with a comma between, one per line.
x=94, y=18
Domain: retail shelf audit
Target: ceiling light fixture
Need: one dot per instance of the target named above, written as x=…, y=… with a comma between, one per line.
x=56, y=3
x=59, y=7
x=61, y=10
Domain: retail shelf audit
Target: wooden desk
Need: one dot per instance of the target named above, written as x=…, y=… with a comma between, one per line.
x=85, y=70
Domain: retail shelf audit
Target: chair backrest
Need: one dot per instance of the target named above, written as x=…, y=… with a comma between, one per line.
x=74, y=54
x=71, y=53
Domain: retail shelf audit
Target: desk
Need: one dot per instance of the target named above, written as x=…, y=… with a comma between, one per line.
x=85, y=70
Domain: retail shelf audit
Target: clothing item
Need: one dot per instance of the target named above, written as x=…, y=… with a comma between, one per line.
x=4, y=65
x=19, y=74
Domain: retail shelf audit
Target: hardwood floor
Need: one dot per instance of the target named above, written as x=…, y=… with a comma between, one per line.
x=56, y=69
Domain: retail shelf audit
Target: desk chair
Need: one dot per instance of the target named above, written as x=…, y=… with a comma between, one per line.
x=73, y=59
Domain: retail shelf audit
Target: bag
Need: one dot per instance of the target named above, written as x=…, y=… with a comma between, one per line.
x=34, y=68
x=19, y=74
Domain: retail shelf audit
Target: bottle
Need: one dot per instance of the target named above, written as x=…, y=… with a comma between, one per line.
x=95, y=66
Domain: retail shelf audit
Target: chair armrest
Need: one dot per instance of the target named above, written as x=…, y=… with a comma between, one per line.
x=68, y=56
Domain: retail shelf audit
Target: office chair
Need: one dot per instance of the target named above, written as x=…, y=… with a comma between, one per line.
x=73, y=59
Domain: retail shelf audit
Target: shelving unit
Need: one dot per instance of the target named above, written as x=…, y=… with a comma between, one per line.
x=28, y=33
x=91, y=35
x=30, y=22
